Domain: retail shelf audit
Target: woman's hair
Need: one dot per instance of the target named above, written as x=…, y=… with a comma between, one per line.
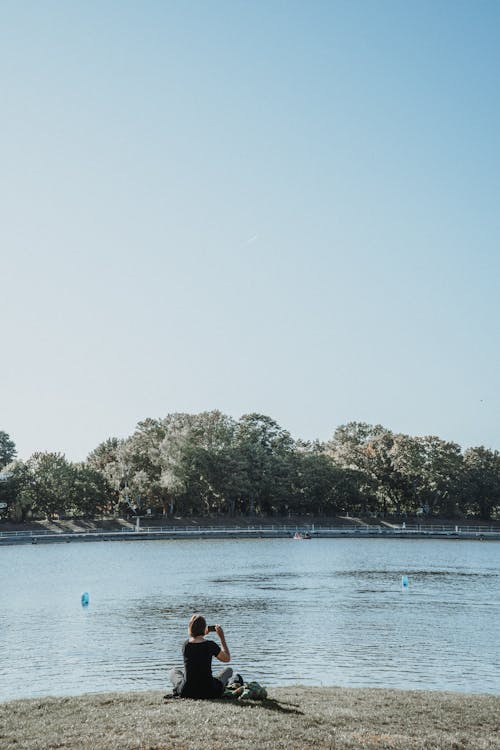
x=197, y=625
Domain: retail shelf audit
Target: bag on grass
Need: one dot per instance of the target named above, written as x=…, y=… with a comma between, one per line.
x=254, y=691
x=250, y=690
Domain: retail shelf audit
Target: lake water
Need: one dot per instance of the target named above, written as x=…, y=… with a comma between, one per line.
x=326, y=611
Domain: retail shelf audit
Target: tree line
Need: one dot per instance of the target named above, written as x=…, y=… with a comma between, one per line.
x=210, y=463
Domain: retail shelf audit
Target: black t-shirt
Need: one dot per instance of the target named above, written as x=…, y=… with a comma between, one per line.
x=198, y=680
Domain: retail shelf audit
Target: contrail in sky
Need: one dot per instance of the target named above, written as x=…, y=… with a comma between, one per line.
x=252, y=239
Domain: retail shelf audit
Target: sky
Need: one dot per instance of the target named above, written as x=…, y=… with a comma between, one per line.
x=289, y=208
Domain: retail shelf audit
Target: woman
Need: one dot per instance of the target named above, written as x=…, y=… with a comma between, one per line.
x=196, y=681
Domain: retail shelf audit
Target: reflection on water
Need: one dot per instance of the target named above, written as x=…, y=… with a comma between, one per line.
x=324, y=612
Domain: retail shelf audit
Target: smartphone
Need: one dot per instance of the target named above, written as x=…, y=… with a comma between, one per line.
x=211, y=628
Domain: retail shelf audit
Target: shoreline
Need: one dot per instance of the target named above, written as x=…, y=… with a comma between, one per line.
x=327, y=718
x=271, y=531
x=240, y=527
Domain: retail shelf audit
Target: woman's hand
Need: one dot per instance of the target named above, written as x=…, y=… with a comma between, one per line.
x=224, y=653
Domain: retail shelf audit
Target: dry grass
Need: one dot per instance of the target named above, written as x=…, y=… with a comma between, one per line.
x=292, y=718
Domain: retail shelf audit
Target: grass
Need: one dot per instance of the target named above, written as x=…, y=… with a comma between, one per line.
x=292, y=718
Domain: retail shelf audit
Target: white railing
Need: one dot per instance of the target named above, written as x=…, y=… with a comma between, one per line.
x=450, y=528
x=426, y=530
x=160, y=530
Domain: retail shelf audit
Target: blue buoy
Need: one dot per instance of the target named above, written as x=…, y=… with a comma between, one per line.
x=404, y=582
x=85, y=599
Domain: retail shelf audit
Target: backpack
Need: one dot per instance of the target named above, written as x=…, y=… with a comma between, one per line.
x=251, y=690
x=254, y=691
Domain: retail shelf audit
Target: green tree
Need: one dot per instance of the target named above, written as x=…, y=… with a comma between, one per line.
x=105, y=454
x=175, y=463
x=50, y=490
x=7, y=449
x=366, y=450
x=14, y=490
x=407, y=459
x=110, y=461
x=482, y=482
x=210, y=455
x=141, y=464
x=201, y=468
x=317, y=480
x=89, y=493
x=266, y=454
x=208, y=462
x=441, y=478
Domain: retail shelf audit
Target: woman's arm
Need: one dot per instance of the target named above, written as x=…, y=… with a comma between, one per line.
x=224, y=653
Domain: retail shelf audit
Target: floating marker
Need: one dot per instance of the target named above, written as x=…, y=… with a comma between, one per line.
x=404, y=582
x=85, y=599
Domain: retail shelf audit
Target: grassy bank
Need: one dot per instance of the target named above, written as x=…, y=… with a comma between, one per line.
x=293, y=717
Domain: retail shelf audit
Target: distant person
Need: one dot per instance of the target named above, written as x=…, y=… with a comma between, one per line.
x=196, y=680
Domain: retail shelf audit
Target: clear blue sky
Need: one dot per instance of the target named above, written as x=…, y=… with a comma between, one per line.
x=283, y=207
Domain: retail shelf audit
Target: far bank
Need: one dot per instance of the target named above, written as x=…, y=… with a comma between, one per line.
x=146, y=528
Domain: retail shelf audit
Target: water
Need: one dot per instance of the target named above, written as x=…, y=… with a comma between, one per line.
x=330, y=611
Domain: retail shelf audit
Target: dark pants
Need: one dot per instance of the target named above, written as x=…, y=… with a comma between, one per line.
x=177, y=677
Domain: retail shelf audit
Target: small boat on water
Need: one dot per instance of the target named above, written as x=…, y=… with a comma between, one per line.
x=299, y=535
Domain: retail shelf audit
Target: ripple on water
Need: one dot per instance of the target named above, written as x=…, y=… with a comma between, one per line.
x=331, y=612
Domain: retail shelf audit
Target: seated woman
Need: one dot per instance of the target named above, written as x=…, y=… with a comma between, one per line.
x=196, y=681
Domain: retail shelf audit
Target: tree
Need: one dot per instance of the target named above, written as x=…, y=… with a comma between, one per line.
x=482, y=482
x=201, y=467
x=7, y=449
x=366, y=450
x=441, y=479
x=208, y=462
x=212, y=456
x=89, y=493
x=174, y=462
x=14, y=490
x=408, y=459
x=266, y=453
x=108, y=459
x=140, y=457
x=317, y=480
x=105, y=454
x=50, y=489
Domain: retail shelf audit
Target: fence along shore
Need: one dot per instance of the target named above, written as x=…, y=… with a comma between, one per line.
x=263, y=531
